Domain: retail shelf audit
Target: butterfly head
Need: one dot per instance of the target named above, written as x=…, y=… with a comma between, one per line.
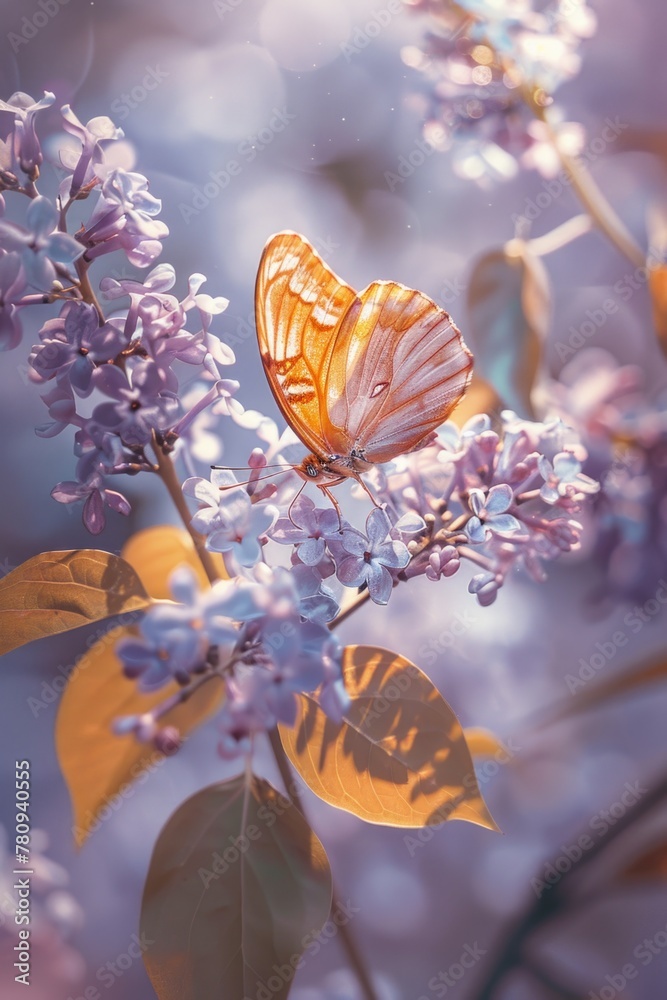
x=314, y=469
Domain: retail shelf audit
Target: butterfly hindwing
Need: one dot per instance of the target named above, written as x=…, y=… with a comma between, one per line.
x=397, y=369
x=299, y=305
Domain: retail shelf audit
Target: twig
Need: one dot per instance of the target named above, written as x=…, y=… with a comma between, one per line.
x=555, y=900
x=166, y=472
x=350, y=945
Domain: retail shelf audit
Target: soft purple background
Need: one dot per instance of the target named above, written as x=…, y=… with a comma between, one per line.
x=323, y=175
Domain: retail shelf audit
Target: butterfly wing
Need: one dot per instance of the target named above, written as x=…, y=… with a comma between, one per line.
x=397, y=369
x=299, y=305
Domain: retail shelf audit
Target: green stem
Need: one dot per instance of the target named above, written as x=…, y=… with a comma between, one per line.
x=350, y=945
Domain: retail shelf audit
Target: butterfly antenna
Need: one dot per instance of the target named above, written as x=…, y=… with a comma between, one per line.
x=246, y=468
x=250, y=482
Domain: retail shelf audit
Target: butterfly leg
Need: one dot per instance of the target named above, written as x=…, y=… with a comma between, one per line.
x=366, y=489
x=292, y=502
x=329, y=494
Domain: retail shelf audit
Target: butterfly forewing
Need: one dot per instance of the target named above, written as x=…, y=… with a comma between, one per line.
x=299, y=305
x=397, y=369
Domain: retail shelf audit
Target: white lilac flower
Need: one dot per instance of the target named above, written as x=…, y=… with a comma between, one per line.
x=308, y=528
x=228, y=518
x=368, y=559
x=490, y=513
x=563, y=478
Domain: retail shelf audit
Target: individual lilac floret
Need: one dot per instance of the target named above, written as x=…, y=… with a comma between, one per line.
x=40, y=244
x=368, y=560
x=95, y=497
x=564, y=478
x=97, y=130
x=172, y=641
x=123, y=219
x=308, y=528
x=485, y=587
x=490, y=512
x=72, y=344
x=26, y=149
x=317, y=602
x=139, y=406
x=442, y=562
x=229, y=519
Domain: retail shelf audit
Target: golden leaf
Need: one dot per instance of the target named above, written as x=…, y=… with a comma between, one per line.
x=98, y=766
x=482, y=742
x=156, y=552
x=657, y=283
x=237, y=884
x=399, y=757
x=58, y=591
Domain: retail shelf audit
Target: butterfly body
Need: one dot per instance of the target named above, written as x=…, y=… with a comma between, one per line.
x=360, y=377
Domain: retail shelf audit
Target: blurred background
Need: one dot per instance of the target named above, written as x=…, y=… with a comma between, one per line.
x=251, y=116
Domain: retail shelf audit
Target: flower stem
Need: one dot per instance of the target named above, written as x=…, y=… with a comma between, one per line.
x=358, y=601
x=595, y=203
x=87, y=293
x=348, y=941
x=167, y=473
x=559, y=237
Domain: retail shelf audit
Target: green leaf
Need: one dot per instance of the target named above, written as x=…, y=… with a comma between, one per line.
x=236, y=882
x=58, y=591
x=509, y=306
x=399, y=757
x=98, y=766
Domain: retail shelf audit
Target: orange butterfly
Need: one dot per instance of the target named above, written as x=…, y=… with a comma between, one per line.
x=359, y=377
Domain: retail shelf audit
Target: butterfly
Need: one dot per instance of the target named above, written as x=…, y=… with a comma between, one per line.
x=360, y=377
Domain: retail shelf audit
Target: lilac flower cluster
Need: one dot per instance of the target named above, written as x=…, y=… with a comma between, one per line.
x=626, y=438
x=498, y=499
x=122, y=365
x=486, y=62
x=251, y=633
